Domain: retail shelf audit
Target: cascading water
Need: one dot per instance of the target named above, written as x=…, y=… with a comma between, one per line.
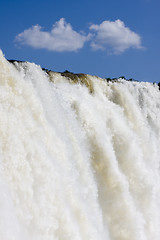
x=79, y=158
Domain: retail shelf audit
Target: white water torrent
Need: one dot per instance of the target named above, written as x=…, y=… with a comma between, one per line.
x=78, y=161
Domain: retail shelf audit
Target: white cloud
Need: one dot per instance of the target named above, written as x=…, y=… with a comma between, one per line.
x=61, y=38
x=114, y=37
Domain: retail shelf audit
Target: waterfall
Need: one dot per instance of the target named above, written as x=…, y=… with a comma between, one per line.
x=79, y=156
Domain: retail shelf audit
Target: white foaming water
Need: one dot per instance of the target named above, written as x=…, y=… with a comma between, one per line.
x=76, y=165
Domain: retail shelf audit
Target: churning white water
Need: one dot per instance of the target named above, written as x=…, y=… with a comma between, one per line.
x=78, y=161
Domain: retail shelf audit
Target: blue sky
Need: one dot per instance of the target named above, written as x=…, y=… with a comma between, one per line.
x=108, y=38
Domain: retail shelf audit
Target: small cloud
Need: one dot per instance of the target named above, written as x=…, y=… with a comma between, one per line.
x=114, y=37
x=61, y=37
